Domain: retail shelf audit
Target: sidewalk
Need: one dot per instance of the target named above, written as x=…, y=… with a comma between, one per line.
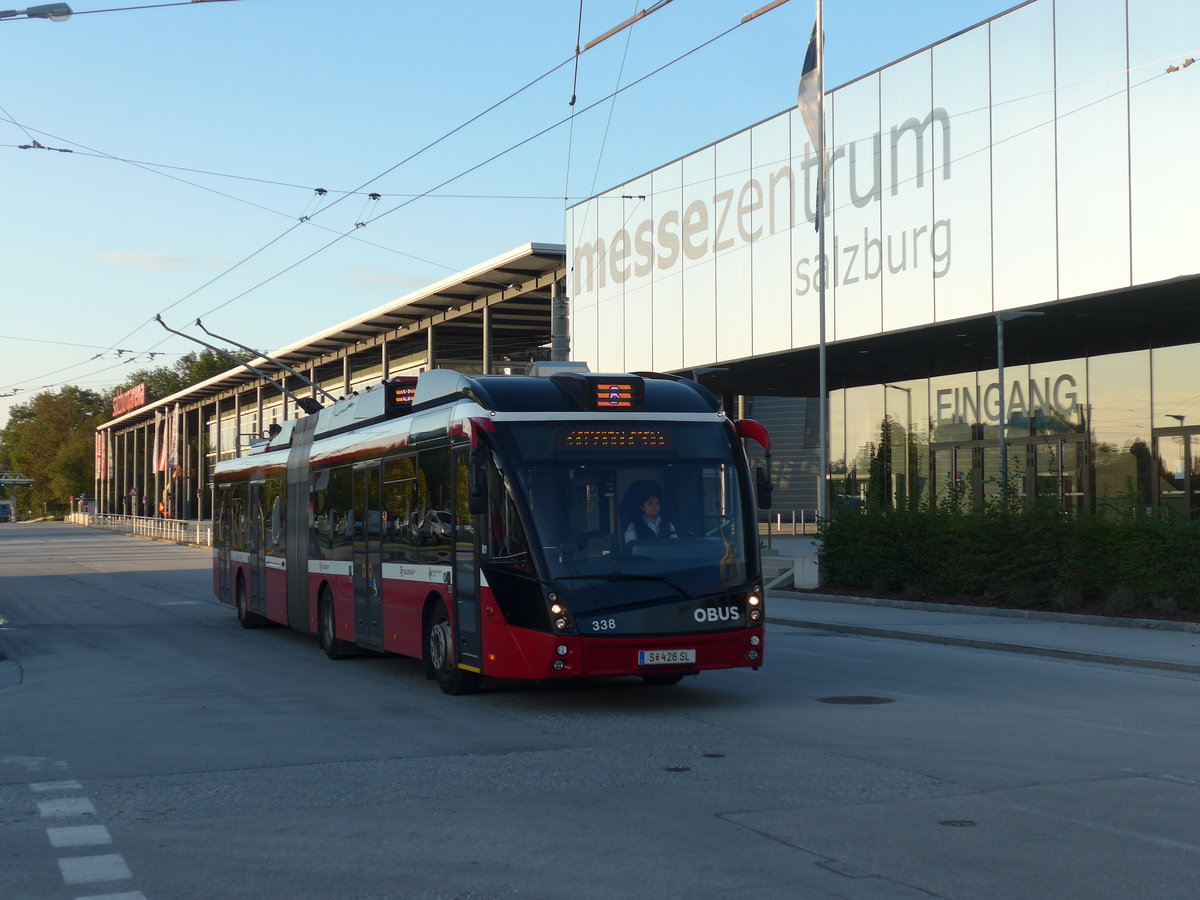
x=1150, y=644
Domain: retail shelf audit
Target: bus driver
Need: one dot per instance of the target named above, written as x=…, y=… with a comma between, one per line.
x=650, y=524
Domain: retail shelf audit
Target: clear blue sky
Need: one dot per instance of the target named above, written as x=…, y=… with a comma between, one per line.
x=331, y=95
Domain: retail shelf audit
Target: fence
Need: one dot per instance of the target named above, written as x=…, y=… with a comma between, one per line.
x=176, y=530
x=794, y=522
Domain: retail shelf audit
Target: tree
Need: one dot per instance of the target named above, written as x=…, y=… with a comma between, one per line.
x=50, y=439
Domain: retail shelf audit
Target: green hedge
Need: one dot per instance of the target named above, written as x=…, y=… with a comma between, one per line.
x=1040, y=556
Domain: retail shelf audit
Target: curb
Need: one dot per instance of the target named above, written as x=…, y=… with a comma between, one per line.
x=979, y=644
x=1110, y=621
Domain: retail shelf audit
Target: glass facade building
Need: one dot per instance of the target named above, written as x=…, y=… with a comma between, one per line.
x=1040, y=161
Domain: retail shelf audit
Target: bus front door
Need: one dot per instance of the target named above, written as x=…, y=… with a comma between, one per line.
x=368, y=557
x=465, y=567
x=256, y=543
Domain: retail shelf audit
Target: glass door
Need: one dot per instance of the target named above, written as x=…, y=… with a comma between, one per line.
x=1178, y=455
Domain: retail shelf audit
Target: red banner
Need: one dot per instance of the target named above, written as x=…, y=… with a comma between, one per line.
x=101, y=458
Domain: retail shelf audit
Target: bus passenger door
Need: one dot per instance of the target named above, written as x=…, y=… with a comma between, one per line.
x=465, y=566
x=256, y=543
x=224, y=519
x=368, y=556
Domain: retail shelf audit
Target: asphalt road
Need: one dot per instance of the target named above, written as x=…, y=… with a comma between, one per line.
x=150, y=747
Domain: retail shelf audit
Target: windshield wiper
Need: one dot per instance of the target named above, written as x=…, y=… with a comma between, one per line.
x=626, y=576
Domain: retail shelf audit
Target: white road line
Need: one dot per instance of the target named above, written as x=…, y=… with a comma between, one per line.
x=79, y=836
x=85, y=869
x=44, y=786
x=67, y=806
x=132, y=895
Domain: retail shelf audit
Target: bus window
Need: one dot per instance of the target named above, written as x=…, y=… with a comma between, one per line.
x=333, y=514
x=434, y=503
x=399, y=532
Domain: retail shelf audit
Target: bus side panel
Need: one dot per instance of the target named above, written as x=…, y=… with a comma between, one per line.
x=277, y=591
x=510, y=652
x=403, y=602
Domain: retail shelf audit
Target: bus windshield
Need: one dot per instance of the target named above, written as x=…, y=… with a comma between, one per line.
x=633, y=511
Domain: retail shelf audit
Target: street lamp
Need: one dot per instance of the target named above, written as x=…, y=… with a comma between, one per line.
x=55, y=12
x=907, y=437
x=1001, y=318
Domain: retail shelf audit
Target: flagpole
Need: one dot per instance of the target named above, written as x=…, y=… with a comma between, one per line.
x=823, y=479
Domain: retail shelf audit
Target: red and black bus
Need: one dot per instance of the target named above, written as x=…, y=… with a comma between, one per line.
x=483, y=525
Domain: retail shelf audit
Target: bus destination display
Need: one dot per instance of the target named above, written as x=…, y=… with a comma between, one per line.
x=611, y=439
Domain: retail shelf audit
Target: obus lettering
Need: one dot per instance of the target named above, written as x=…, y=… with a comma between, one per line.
x=716, y=614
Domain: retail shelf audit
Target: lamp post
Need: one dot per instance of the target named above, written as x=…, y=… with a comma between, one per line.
x=55, y=12
x=907, y=437
x=1001, y=318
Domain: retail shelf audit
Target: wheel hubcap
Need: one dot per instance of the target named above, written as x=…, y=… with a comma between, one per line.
x=439, y=644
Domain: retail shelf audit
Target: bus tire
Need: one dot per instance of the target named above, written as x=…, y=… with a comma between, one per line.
x=334, y=647
x=245, y=616
x=439, y=654
x=663, y=679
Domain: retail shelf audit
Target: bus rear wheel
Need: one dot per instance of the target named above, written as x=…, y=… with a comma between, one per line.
x=334, y=647
x=439, y=655
x=245, y=616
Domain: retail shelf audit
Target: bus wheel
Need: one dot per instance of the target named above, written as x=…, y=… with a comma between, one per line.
x=439, y=655
x=334, y=647
x=663, y=679
x=247, y=618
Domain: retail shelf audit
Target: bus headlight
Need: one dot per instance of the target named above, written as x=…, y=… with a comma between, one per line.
x=755, y=640
x=562, y=623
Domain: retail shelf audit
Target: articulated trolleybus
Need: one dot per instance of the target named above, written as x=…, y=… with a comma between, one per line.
x=495, y=526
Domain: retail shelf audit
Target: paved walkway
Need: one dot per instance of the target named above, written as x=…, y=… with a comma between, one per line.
x=1157, y=645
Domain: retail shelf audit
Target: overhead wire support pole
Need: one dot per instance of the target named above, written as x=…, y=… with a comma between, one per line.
x=824, y=483
x=309, y=404
x=312, y=384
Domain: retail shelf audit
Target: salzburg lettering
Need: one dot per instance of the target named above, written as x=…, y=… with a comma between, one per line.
x=765, y=206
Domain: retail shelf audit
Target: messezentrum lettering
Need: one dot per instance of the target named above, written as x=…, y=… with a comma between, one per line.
x=766, y=206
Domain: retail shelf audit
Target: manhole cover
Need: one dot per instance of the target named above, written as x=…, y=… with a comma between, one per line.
x=856, y=701
x=957, y=823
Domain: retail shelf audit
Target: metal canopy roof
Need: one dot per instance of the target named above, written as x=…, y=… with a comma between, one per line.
x=516, y=286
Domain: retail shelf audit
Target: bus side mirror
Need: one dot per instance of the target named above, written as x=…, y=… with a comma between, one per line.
x=763, y=488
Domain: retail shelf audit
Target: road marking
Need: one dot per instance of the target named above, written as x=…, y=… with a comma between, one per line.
x=67, y=806
x=44, y=786
x=180, y=603
x=79, y=836
x=84, y=869
x=131, y=895
x=34, y=763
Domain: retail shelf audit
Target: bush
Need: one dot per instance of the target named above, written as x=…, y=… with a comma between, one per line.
x=1024, y=557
